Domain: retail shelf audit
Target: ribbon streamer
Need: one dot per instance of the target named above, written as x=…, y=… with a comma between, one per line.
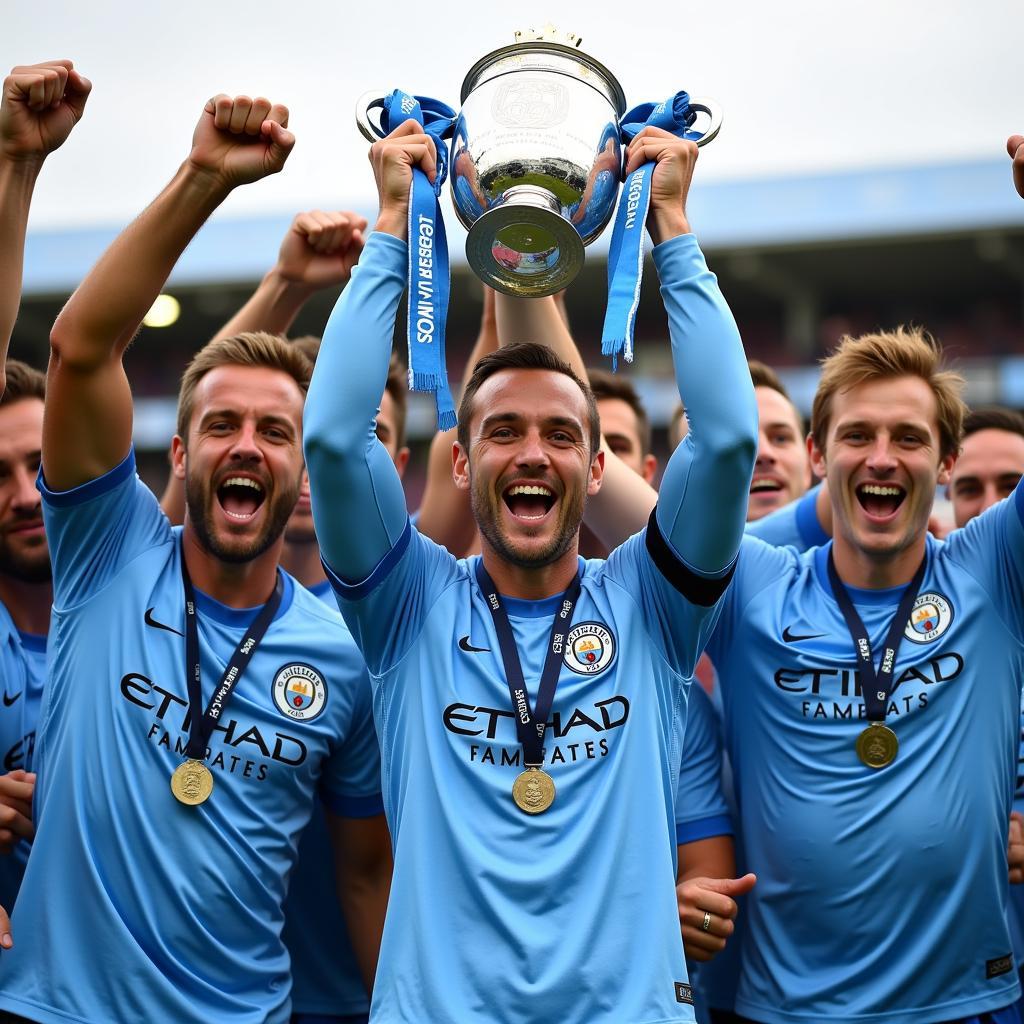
x=626, y=255
x=429, y=274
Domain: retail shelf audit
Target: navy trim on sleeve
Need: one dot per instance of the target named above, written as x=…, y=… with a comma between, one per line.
x=702, y=590
x=807, y=522
x=703, y=828
x=353, y=806
x=357, y=591
x=91, y=488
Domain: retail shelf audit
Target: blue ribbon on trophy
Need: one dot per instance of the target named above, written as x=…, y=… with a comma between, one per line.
x=626, y=254
x=429, y=275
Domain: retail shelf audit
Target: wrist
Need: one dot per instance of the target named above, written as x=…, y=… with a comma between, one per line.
x=283, y=287
x=206, y=182
x=393, y=221
x=665, y=224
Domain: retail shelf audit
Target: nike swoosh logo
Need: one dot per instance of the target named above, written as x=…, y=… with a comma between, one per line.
x=8, y=701
x=465, y=645
x=793, y=637
x=150, y=621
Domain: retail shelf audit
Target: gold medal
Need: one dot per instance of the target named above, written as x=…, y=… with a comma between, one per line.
x=877, y=745
x=192, y=782
x=533, y=791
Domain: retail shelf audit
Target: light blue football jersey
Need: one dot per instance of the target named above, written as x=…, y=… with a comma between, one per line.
x=569, y=915
x=22, y=677
x=870, y=882
x=325, y=976
x=794, y=525
x=701, y=808
x=152, y=909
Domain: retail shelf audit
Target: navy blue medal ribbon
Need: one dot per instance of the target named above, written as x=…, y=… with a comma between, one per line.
x=429, y=275
x=626, y=255
x=201, y=723
x=877, y=685
x=530, y=722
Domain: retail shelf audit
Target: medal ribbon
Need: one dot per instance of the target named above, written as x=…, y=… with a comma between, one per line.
x=200, y=724
x=877, y=686
x=626, y=255
x=429, y=276
x=530, y=724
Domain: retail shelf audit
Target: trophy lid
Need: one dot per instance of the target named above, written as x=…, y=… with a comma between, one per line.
x=543, y=53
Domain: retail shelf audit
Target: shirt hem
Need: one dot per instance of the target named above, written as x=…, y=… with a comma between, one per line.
x=39, y=1013
x=934, y=1014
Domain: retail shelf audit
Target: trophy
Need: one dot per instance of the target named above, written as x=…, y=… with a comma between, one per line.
x=536, y=159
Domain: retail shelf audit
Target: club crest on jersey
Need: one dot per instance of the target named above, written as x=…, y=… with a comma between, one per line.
x=589, y=648
x=300, y=692
x=929, y=619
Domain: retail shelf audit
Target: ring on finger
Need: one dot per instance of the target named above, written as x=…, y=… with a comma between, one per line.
x=706, y=923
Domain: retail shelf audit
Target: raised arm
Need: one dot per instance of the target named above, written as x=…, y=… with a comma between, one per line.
x=358, y=503
x=703, y=501
x=318, y=252
x=88, y=423
x=40, y=105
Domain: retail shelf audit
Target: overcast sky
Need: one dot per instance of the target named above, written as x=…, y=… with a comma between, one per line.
x=805, y=86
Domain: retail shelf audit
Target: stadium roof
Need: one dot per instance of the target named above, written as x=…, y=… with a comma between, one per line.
x=791, y=210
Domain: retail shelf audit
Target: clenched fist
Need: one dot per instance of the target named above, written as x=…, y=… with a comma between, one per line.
x=240, y=140
x=41, y=104
x=321, y=248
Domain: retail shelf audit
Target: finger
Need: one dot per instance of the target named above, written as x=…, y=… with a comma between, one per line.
x=5, y=930
x=728, y=886
x=695, y=901
x=281, y=142
x=358, y=223
x=1016, y=876
x=241, y=108
x=696, y=941
x=55, y=81
x=77, y=92
x=408, y=127
x=257, y=115
x=36, y=98
x=15, y=790
x=279, y=115
x=1013, y=143
x=220, y=107
x=16, y=822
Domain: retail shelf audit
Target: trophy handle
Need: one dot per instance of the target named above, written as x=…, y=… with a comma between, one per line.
x=714, y=111
x=371, y=100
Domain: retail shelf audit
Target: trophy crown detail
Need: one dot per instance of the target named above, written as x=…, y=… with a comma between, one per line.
x=548, y=34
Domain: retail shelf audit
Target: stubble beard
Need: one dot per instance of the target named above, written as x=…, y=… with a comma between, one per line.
x=199, y=499
x=32, y=566
x=487, y=516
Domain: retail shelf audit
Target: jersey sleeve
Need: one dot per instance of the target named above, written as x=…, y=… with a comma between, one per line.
x=358, y=503
x=795, y=526
x=701, y=808
x=991, y=549
x=351, y=786
x=94, y=530
x=386, y=611
x=679, y=605
x=702, y=507
x=757, y=566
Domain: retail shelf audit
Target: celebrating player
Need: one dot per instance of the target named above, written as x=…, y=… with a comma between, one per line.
x=524, y=856
x=198, y=699
x=40, y=105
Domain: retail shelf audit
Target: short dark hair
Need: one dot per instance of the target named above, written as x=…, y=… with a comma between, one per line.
x=23, y=381
x=994, y=417
x=606, y=385
x=523, y=356
x=309, y=346
x=764, y=376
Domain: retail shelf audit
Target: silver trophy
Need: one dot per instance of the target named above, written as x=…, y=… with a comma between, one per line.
x=536, y=159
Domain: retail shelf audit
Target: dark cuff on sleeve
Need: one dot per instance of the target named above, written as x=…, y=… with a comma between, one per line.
x=358, y=591
x=353, y=806
x=703, y=828
x=91, y=488
x=702, y=590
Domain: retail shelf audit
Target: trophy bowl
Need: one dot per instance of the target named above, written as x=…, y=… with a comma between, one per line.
x=536, y=161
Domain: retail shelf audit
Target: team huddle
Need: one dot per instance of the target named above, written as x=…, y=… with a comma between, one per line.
x=558, y=746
